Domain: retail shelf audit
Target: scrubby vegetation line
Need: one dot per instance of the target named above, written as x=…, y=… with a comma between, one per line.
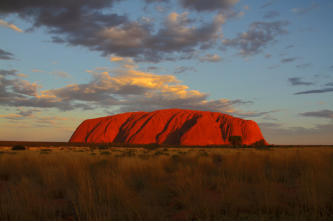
x=166, y=184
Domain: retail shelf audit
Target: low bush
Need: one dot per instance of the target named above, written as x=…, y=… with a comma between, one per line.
x=235, y=141
x=152, y=146
x=260, y=144
x=18, y=147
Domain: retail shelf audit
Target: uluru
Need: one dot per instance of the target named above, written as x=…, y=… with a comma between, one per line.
x=169, y=127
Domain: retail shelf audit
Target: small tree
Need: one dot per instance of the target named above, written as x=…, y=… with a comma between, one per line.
x=235, y=141
x=18, y=147
x=260, y=144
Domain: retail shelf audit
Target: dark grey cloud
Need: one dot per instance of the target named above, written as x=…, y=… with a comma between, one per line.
x=87, y=23
x=315, y=91
x=182, y=69
x=18, y=92
x=254, y=114
x=271, y=14
x=6, y=55
x=303, y=66
x=211, y=5
x=6, y=72
x=297, y=81
x=268, y=3
x=28, y=112
x=15, y=87
x=177, y=37
x=258, y=36
x=329, y=84
x=152, y=68
x=305, y=10
x=320, y=114
x=287, y=60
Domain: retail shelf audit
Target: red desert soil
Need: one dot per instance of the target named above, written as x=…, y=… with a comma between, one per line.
x=169, y=126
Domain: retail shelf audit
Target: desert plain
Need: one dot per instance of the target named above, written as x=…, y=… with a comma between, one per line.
x=105, y=182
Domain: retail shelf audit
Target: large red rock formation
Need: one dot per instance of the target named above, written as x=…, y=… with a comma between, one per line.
x=170, y=126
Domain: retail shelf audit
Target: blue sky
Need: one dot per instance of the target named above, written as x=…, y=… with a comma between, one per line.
x=66, y=61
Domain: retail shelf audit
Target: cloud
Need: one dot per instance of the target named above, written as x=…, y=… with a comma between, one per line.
x=5, y=72
x=210, y=5
x=297, y=81
x=15, y=91
x=153, y=1
x=9, y=25
x=319, y=114
x=152, y=68
x=210, y=58
x=303, y=66
x=182, y=69
x=119, y=89
x=315, y=91
x=271, y=14
x=255, y=114
x=45, y=121
x=268, y=3
x=91, y=24
x=279, y=134
x=37, y=70
x=34, y=120
x=180, y=36
x=61, y=74
x=6, y=55
x=302, y=11
x=116, y=58
x=329, y=84
x=24, y=87
x=57, y=73
x=287, y=60
x=20, y=114
x=258, y=36
x=267, y=56
x=290, y=46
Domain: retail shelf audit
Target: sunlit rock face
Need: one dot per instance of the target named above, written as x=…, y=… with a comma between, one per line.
x=170, y=126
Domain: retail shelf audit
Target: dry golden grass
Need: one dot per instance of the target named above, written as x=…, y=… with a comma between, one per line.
x=166, y=184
